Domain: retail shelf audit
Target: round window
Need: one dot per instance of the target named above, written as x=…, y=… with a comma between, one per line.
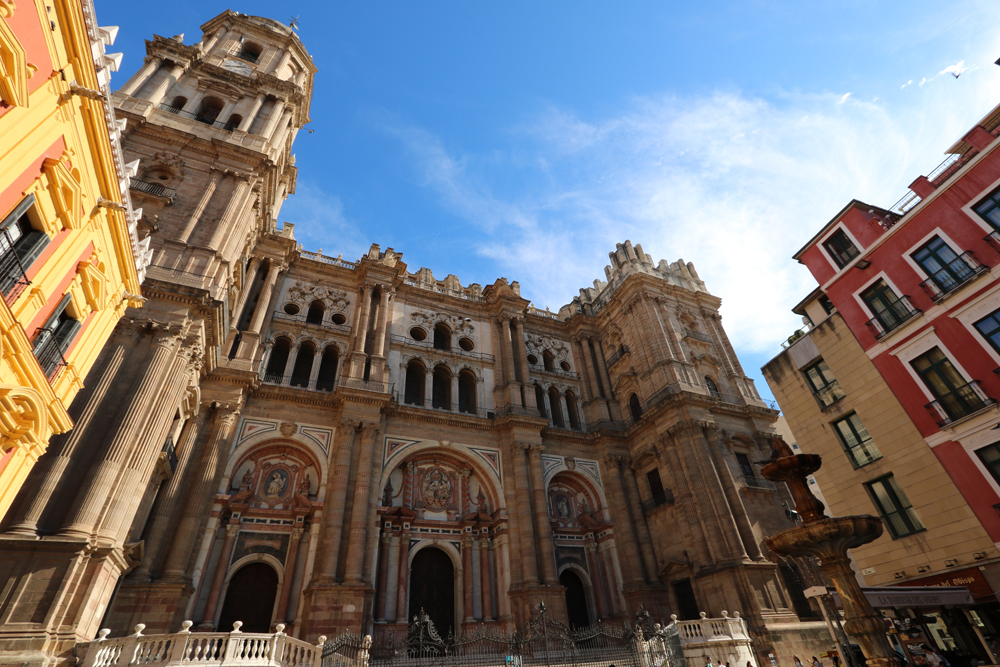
x=338, y=318
x=532, y=359
x=291, y=309
x=563, y=365
x=466, y=344
x=416, y=333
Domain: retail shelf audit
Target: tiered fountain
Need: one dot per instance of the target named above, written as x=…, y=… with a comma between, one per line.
x=828, y=540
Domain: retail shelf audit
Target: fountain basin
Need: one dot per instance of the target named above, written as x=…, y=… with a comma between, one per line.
x=826, y=538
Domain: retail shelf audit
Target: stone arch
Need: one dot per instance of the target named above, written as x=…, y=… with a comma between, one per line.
x=264, y=445
x=233, y=571
x=277, y=358
x=416, y=381
x=316, y=312
x=584, y=499
x=442, y=334
x=588, y=588
x=468, y=390
x=455, y=556
x=634, y=406
x=441, y=386
x=712, y=386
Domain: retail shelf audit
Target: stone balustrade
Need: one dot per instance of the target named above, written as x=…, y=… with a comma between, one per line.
x=218, y=649
x=720, y=640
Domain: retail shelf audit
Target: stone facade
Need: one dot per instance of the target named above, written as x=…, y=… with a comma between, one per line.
x=284, y=437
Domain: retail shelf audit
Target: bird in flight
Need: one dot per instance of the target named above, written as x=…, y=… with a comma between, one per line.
x=955, y=70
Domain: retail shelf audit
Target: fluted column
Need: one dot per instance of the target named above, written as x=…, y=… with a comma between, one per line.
x=733, y=495
x=218, y=578
x=237, y=200
x=278, y=136
x=624, y=529
x=715, y=490
x=596, y=578
x=251, y=114
x=123, y=342
x=131, y=415
x=507, y=352
x=366, y=309
x=486, y=578
x=543, y=529
x=588, y=360
x=383, y=318
x=467, y=579
x=522, y=354
x=404, y=573
x=546, y=403
x=529, y=564
x=453, y=403
x=565, y=410
x=160, y=91
x=214, y=39
x=382, y=580
x=603, y=370
x=333, y=506
x=200, y=490
x=141, y=77
x=429, y=388
x=277, y=111
x=314, y=371
x=687, y=502
x=639, y=519
x=614, y=594
x=359, y=511
x=289, y=575
x=247, y=287
x=206, y=196
x=264, y=300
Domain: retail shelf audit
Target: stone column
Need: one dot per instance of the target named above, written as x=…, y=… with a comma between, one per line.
x=687, y=501
x=428, y=388
x=241, y=301
x=485, y=578
x=333, y=506
x=588, y=361
x=507, y=354
x=614, y=603
x=280, y=131
x=382, y=582
x=277, y=111
x=624, y=528
x=208, y=619
x=160, y=91
x=251, y=114
x=214, y=39
x=200, y=490
x=529, y=564
x=264, y=300
x=131, y=416
x=289, y=574
x=285, y=57
x=595, y=578
x=404, y=573
x=206, y=196
x=293, y=355
x=359, y=355
x=733, y=497
x=141, y=77
x=453, y=403
x=314, y=371
x=359, y=511
x=639, y=520
x=714, y=494
x=581, y=366
x=546, y=403
x=123, y=342
x=603, y=370
x=467, y=579
x=522, y=353
x=383, y=319
x=565, y=409
x=237, y=200
x=543, y=529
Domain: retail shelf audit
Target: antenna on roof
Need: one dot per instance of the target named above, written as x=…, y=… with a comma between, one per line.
x=293, y=22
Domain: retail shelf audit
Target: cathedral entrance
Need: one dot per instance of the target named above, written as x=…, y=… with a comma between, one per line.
x=432, y=588
x=576, y=599
x=250, y=598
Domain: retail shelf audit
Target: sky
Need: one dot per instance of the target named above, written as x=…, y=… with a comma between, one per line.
x=525, y=139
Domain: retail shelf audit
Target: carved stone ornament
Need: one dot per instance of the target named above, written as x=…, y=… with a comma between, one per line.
x=304, y=294
x=435, y=489
x=537, y=343
x=288, y=429
x=429, y=318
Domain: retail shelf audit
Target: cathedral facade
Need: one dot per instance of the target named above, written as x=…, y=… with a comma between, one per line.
x=278, y=436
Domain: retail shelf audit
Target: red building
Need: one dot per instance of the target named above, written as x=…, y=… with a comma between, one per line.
x=918, y=286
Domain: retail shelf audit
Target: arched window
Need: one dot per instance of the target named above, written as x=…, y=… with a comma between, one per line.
x=303, y=365
x=712, y=388
x=634, y=407
x=315, y=314
x=557, y=416
x=413, y=392
x=234, y=121
x=540, y=401
x=209, y=109
x=179, y=102
x=467, y=392
x=277, y=361
x=328, y=369
x=250, y=598
x=250, y=52
x=442, y=337
x=547, y=360
x=574, y=418
x=441, y=387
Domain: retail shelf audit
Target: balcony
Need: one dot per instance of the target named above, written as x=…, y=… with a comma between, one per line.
x=249, y=56
x=665, y=498
x=618, y=354
x=960, y=403
x=302, y=319
x=429, y=345
x=893, y=317
x=993, y=238
x=49, y=354
x=697, y=335
x=154, y=189
x=956, y=273
x=13, y=279
x=754, y=482
x=207, y=120
x=458, y=408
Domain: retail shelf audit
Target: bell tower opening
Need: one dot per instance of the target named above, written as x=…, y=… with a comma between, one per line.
x=432, y=588
x=250, y=598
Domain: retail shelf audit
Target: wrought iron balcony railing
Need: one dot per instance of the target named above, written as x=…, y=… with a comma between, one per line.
x=754, y=482
x=154, y=189
x=248, y=56
x=893, y=317
x=993, y=238
x=962, y=402
x=13, y=279
x=956, y=273
x=618, y=354
x=49, y=354
x=698, y=335
x=207, y=120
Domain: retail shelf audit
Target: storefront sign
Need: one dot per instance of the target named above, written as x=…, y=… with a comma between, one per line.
x=971, y=578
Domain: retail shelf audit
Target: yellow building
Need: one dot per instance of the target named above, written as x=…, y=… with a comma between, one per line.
x=70, y=255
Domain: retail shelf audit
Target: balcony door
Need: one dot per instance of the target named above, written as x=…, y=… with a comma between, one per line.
x=884, y=305
x=945, y=382
x=942, y=265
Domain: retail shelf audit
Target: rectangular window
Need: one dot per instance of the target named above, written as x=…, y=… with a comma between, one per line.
x=894, y=507
x=990, y=456
x=52, y=340
x=945, y=269
x=956, y=398
x=746, y=468
x=989, y=327
x=841, y=248
x=656, y=487
x=890, y=311
x=824, y=386
x=20, y=245
x=989, y=209
x=827, y=305
x=858, y=444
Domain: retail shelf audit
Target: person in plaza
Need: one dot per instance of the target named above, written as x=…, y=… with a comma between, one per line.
x=795, y=659
x=816, y=662
x=935, y=659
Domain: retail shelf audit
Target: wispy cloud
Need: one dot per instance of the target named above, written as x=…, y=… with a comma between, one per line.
x=319, y=220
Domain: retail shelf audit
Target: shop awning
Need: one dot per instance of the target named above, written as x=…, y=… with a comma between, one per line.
x=882, y=597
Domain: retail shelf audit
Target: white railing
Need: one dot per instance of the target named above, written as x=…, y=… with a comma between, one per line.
x=720, y=640
x=335, y=261
x=218, y=649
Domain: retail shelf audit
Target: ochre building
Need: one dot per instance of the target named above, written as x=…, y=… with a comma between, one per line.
x=285, y=437
x=70, y=256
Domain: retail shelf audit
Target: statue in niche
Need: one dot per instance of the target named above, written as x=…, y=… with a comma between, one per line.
x=304, y=485
x=387, y=494
x=562, y=507
x=481, y=508
x=277, y=481
x=436, y=489
x=247, y=479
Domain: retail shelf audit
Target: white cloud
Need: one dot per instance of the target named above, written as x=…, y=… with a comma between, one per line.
x=908, y=83
x=319, y=220
x=844, y=98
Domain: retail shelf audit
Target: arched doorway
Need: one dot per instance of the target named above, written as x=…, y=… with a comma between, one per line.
x=576, y=599
x=250, y=598
x=432, y=588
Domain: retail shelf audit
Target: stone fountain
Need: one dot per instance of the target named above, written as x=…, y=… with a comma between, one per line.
x=828, y=539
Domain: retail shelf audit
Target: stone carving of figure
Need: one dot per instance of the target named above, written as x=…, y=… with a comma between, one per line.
x=276, y=485
x=482, y=509
x=247, y=479
x=387, y=494
x=562, y=507
x=304, y=485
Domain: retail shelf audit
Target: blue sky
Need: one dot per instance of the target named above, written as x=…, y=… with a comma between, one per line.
x=524, y=139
